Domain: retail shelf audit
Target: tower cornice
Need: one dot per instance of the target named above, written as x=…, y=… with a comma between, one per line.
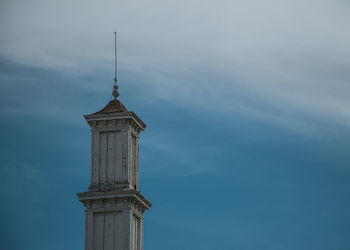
x=132, y=194
x=115, y=110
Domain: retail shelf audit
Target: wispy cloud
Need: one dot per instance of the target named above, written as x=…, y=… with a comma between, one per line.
x=272, y=60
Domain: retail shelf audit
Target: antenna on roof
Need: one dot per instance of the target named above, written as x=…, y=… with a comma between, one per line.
x=115, y=92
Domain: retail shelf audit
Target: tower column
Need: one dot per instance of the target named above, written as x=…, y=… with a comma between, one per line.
x=114, y=207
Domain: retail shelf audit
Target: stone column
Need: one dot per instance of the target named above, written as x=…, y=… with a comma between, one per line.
x=114, y=207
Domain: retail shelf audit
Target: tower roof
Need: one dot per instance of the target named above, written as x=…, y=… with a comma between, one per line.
x=115, y=110
x=111, y=107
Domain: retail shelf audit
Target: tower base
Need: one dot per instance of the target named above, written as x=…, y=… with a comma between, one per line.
x=113, y=219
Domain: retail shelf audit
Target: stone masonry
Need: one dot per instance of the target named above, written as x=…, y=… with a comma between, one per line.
x=114, y=207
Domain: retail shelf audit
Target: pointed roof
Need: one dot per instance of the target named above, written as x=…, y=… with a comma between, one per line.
x=111, y=107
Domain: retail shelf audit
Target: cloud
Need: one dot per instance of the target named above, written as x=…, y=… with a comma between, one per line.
x=276, y=61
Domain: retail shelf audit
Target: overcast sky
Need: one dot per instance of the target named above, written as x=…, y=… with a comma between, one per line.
x=247, y=105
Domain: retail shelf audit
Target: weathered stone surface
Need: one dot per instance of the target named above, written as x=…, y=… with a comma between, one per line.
x=114, y=206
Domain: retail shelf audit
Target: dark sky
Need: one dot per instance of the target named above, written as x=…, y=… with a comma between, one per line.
x=247, y=106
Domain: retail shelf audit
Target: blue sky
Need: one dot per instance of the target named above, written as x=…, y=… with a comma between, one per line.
x=247, y=107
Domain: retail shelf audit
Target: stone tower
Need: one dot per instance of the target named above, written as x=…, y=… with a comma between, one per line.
x=114, y=206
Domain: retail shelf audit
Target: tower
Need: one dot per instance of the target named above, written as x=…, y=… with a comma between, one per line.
x=114, y=206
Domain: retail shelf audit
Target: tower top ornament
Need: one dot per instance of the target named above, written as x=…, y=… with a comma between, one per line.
x=115, y=92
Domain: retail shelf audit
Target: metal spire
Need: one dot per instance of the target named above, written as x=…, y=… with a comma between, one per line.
x=115, y=92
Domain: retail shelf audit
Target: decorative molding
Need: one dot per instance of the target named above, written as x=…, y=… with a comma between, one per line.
x=115, y=199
